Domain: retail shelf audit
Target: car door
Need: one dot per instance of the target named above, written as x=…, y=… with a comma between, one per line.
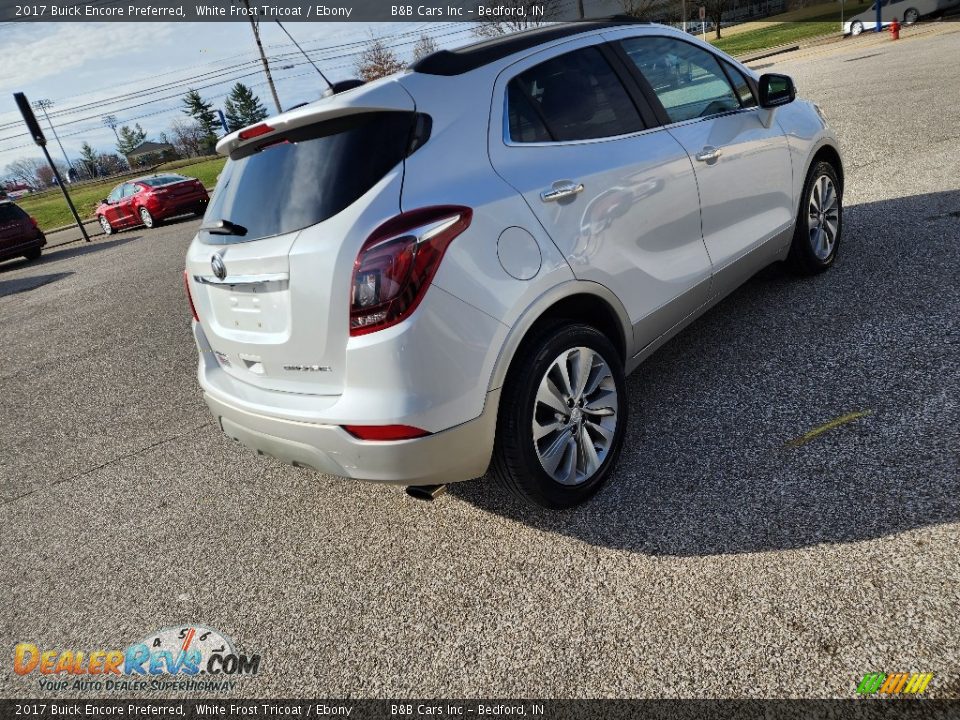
x=740, y=154
x=571, y=133
x=125, y=208
x=112, y=211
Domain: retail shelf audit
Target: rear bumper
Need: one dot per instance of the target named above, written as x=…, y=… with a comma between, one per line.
x=460, y=453
x=16, y=248
x=178, y=205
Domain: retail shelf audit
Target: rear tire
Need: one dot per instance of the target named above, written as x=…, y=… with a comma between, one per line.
x=910, y=16
x=33, y=254
x=856, y=28
x=819, y=229
x=563, y=406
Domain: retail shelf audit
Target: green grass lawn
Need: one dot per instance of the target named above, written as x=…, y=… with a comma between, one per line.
x=51, y=211
x=777, y=34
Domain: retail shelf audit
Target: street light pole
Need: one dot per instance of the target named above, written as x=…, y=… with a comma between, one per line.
x=263, y=58
x=43, y=105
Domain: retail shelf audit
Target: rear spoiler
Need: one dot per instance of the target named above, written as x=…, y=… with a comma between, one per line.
x=381, y=96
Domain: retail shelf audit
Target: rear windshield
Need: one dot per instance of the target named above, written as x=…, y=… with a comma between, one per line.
x=307, y=175
x=9, y=213
x=161, y=180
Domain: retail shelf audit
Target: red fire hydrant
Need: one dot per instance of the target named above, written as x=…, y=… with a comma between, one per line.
x=895, y=29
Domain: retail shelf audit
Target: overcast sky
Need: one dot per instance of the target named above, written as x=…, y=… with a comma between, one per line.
x=90, y=64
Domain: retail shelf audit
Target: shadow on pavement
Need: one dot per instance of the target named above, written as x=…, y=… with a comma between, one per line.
x=11, y=287
x=56, y=254
x=706, y=468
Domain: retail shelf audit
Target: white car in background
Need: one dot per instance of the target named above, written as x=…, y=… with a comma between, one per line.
x=906, y=12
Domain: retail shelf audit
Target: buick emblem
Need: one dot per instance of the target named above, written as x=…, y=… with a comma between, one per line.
x=219, y=269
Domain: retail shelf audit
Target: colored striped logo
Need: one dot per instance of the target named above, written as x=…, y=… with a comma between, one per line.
x=894, y=684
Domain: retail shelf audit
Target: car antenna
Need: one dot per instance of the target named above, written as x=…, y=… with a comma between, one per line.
x=329, y=84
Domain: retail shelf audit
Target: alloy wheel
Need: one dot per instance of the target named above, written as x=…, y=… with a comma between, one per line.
x=823, y=217
x=146, y=217
x=575, y=416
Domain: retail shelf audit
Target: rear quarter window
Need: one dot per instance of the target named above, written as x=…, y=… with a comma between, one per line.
x=308, y=174
x=11, y=213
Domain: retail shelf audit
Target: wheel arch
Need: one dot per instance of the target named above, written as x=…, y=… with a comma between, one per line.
x=578, y=301
x=829, y=153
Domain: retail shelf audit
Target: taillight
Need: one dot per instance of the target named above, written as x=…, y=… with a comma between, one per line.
x=385, y=432
x=397, y=263
x=33, y=221
x=255, y=131
x=186, y=284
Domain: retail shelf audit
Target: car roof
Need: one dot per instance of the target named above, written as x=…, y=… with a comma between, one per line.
x=471, y=57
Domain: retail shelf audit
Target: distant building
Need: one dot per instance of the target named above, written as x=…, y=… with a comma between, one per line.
x=149, y=153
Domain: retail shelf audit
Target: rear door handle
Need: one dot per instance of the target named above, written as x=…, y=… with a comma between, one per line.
x=561, y=189
x=708, y=154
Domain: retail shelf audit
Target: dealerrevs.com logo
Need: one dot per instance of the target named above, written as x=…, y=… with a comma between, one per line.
x=182, y=658
x=894, y=683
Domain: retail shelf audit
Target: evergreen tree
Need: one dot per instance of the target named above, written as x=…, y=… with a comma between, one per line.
x=88, y=156
x=130, y=139
x=202, y=111
x=243, y=108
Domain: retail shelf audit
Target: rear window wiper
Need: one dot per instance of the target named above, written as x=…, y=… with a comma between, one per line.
x=224, y=227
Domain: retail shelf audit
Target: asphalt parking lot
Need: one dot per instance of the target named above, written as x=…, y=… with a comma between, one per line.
x=722, y=562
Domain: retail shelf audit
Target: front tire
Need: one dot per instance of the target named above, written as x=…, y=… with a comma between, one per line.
x=562, y=417
x=819, y=221
x=105, y=224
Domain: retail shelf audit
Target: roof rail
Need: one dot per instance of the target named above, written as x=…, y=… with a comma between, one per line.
x=471, y=57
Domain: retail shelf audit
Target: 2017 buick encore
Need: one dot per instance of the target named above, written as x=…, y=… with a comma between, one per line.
x=453, y=268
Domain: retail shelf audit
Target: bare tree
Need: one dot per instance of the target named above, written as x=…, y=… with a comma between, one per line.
x=425, y=45
x=26, y=171
x=644, y=9
x=188, y=137
x=377, y=61
x=715, y=11
x=518, y=15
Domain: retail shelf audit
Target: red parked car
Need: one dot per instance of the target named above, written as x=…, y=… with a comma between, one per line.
x=19, y=234
x=150, y=200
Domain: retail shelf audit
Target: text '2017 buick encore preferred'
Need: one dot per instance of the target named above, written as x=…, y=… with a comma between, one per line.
x=451, y=269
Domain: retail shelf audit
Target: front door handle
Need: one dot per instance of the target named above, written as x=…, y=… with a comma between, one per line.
x=561, y=189
x=708, y=154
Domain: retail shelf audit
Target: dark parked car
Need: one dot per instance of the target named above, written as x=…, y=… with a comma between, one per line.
x=150, y=200
x=19, y=234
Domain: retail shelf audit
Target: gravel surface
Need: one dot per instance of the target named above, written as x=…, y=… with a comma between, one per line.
x=720, y=562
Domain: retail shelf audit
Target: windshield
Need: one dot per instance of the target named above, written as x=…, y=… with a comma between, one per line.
x=306, y=175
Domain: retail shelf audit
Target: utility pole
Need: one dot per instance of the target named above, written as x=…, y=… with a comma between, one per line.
x=37, y=134
x=110, y=121
x=43, y=105
x=263, y=58
x=580, y=9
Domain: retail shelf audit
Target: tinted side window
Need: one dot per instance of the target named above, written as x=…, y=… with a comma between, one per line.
x=576, y=96
x=687, y=79
x=740, y=86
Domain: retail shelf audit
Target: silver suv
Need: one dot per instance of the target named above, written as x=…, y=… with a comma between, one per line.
x=451, y=269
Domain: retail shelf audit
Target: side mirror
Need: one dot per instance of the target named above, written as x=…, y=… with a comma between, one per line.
x=776, y=90
x=105, y=201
